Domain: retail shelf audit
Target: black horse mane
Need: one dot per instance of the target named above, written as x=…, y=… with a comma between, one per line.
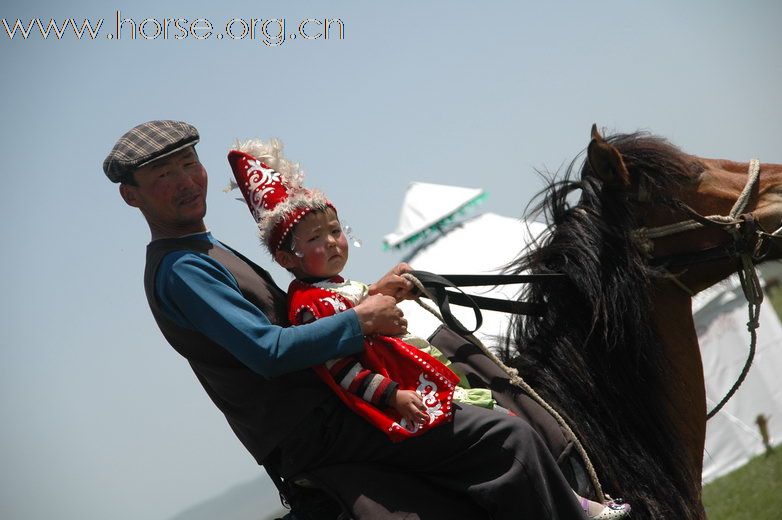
x=595, y=355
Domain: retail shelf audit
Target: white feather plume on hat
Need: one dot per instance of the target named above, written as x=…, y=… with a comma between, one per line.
x=271, y=153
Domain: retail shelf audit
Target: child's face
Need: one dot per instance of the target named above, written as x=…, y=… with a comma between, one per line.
x=321, y=246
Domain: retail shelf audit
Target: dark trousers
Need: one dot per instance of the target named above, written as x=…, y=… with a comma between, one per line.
x=498, y=460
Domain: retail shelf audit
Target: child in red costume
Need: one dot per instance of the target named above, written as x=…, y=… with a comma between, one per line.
x=395, y=386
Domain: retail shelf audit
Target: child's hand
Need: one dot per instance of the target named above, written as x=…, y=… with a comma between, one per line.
x=410, y=406
x=393, y=284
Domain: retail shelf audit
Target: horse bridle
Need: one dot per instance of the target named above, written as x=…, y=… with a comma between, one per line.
x=749, y=244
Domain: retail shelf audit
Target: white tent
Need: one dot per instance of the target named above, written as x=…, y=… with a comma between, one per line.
x=428, y=207
x=732, y=437
x=484, y=244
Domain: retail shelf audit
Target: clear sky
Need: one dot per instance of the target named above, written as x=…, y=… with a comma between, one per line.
x=99, y=417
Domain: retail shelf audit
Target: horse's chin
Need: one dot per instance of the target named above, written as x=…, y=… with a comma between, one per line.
x=701, y=277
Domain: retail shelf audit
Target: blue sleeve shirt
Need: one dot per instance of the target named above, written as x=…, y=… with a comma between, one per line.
x=198, y=293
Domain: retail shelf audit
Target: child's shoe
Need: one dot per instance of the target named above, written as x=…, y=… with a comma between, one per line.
x=611, y=510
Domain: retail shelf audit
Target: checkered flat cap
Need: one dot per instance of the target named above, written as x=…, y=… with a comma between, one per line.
x=145, y=143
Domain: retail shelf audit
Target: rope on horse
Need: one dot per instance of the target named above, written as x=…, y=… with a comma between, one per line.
x=753, y=292
x=750, y=284
x=518, y=381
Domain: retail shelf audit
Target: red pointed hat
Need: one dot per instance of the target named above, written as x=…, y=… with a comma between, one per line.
x=272, y=187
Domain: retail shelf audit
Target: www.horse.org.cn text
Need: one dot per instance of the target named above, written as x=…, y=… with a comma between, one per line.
x=271, y=32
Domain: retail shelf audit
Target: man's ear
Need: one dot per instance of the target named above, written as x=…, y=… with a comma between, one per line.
x=285, y=258
x=129, y=195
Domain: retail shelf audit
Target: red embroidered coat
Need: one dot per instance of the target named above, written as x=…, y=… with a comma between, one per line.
x=364, y=381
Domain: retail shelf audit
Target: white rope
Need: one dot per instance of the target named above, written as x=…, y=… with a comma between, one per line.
x=518, y=381
x=741, y=202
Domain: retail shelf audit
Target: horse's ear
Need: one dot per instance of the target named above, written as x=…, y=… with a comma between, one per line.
x=606, y=161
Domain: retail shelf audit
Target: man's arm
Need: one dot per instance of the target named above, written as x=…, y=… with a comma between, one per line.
x=200, y=294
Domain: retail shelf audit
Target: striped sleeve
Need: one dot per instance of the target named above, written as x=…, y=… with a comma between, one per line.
x=356, y=379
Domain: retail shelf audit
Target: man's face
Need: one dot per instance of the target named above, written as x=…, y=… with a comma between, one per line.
x=171, y=192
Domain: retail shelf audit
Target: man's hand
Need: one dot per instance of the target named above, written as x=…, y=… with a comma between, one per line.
x=393, y=284
x=378, y=314
x=409, y=405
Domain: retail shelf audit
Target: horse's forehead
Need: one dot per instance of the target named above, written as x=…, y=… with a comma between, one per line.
x=722, y=178
x=741, y=167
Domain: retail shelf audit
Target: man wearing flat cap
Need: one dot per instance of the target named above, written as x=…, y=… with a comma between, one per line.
x=227, y=317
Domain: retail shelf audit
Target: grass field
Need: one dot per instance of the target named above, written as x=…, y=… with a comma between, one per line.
x=753, y=491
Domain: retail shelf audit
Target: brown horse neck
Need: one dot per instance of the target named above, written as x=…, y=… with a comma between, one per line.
x=684, y=384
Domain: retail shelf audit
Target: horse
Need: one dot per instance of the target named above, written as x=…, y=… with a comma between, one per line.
x=616, y=350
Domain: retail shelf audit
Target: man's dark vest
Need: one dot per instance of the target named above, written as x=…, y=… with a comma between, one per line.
x=260, y=411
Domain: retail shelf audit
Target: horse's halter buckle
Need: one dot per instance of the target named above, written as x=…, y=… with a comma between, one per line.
x=750, y=238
